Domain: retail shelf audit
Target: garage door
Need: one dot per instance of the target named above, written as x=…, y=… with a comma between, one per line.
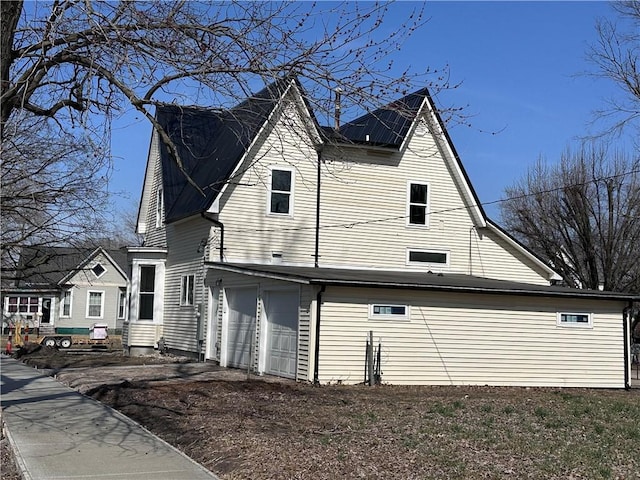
x=241, y=325
x=282, y=332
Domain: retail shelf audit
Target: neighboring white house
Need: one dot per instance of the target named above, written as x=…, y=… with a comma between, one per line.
x=301, y=240
x=67, y=290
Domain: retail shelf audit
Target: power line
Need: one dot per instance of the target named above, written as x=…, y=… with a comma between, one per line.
x=446, y=210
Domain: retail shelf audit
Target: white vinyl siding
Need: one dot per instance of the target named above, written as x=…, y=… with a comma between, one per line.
x=154, y=237
x=252, y=234
x=471, y=339
x=184, y=260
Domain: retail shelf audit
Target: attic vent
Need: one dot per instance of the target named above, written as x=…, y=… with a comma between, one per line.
x=98, y=270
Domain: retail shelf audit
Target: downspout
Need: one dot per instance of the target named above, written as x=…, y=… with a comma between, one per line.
x=316, y=254
x=316, y=356
x=626, y=314
x=220, y=225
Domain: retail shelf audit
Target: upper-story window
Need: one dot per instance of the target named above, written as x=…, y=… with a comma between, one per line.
x=281, y=191
x=418, y=204
x=572, y=319
x=159, y=207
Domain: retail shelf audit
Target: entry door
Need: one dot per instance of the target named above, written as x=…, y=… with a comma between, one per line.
x=46, y=310
x=282, y=332
x=241, y=325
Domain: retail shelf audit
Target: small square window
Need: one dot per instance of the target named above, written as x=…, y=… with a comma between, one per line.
x=574, y=320
x=98, y=270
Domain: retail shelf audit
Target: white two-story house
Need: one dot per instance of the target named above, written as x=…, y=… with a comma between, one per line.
x=288, y=245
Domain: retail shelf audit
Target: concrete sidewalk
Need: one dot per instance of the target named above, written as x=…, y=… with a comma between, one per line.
x=57, y=433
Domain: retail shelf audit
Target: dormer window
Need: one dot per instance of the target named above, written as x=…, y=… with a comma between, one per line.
x=98, y=270
x=281, y=192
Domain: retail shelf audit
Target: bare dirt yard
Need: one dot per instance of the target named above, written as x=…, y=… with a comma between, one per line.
x=243, y=427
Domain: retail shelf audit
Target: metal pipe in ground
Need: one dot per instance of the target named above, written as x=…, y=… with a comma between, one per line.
x=370, y=357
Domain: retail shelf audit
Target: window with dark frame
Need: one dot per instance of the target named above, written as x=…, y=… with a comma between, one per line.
x=418, y=204
x=426, y=256
x=280, y=192
x=147, y=292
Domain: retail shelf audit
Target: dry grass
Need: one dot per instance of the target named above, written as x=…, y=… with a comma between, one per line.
x=259, y=430
x=255, y=429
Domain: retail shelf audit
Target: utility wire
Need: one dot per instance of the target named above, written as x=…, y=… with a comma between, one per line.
x=446, y=210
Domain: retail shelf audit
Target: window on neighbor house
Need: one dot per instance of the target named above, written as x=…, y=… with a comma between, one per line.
x=95, y=304
x=388, y=311
x=574, y=319
x=122, y=303
x=159, y=207
x=418, y=204
x=19, y=304
x=433, y=257
x=187, y=289
x=280, y=192
x=147, y=292
x=65, y=304
x=98, y=270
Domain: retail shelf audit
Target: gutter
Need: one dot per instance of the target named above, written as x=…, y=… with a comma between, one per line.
x=316, y=253
x=626, y=314
x=316, y=357
x=220, y=225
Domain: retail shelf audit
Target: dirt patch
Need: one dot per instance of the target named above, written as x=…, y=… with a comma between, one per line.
x=266, y=428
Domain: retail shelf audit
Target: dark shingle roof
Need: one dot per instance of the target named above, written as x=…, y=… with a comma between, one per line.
x=386, y=126
x=446, y=282
x=210, y=144
x=42, y=267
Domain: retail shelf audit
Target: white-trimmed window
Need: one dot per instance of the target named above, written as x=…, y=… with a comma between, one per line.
x=280, y=196
x=159, y=207
x=418, y=204
x=98, y=270
x=19, y=304
x=65, y=304
x=187, y=289
x=571, y=319
x=122, y=303
x=436, y=258
x=388, y=311
x=95, y=304
x=147, y=292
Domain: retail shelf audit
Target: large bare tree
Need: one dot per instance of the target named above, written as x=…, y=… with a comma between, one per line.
x=71, y=67
x=583, y=216
x=616, y=54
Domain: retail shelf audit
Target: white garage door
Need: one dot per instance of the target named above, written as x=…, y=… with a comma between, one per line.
x=282, y=332
x=241, y=326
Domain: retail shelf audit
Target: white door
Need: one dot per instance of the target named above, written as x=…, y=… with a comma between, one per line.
x=282, y=332
x=241, y=325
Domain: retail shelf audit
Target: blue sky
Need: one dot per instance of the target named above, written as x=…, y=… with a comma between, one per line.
x=519, y=64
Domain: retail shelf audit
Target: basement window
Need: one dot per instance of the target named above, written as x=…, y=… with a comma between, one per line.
x=575, y=320
x=386, y=311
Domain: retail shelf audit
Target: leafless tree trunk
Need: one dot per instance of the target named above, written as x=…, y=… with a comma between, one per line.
x=583, y=216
